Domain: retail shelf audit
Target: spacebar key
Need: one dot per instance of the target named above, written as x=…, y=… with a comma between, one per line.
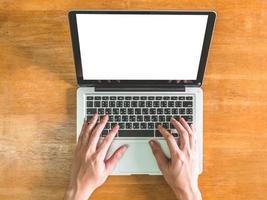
x=136, y=133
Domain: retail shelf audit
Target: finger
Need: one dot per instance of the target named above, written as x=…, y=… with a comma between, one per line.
x=159, y=155
x=171, y=142
x=82, y=132
x=113, y=160
x=90, y=126
x=94, y=138
x=184, y=138
x=189, y=131
x=103, y=147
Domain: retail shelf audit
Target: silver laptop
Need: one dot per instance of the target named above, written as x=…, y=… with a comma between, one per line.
x=142, y=68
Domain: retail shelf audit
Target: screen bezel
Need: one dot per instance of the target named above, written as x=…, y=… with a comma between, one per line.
x=141, y=83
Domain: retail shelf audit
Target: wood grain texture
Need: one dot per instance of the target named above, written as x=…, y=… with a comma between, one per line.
x=37, y=102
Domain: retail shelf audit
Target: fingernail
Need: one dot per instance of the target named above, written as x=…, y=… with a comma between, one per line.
x=126, y=146
x=159, y=126
x=172, y=119
x=151, y=142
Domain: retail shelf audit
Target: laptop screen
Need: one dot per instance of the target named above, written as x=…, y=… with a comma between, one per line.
x=140, y=46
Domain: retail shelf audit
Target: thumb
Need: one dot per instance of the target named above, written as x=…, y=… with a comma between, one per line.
x=159, y=155
x=113, y=160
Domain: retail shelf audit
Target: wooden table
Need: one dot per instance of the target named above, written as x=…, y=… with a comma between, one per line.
x=37, y=102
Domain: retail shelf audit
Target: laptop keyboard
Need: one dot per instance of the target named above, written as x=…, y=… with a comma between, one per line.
x=138, y=116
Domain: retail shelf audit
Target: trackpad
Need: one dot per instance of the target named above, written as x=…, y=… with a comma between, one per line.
x=138, y=158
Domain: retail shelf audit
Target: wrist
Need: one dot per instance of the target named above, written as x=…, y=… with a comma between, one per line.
x=74, y=193
x=189, y=193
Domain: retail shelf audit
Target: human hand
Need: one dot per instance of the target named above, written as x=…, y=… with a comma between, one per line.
x=90, y=168
x=179, y=171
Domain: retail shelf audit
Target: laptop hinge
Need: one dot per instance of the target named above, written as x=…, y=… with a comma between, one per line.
x=140, y=89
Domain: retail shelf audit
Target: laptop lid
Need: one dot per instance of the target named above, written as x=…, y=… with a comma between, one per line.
x=140, y=48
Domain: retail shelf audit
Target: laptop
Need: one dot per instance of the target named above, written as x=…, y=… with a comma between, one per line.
x=141, y=68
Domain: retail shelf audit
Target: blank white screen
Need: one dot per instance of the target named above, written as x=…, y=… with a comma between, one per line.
x=140, y=47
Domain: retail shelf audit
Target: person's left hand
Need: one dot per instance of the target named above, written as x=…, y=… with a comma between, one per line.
x=90, y=168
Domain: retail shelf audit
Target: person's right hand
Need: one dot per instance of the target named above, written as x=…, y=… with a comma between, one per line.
x=179, y=171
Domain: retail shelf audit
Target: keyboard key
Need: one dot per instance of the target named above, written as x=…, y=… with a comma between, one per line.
x=124, y=118
x=136, y=126
x=134, y=104
x=90, y=104
x=111, y=118
x=168, y=118
x=130, y=111
x=91, y=110
x=149, y=104
x=187, y=104
x=151, y=98
x=123, y=111
x=104, y=133
x=135, y=98
x=127, y=103
x=166, y=125
x=139, y=118
x=108, y=111
x=89, y=97
x=166, y=98
x=152, y=111
x=144, y=111
x=122, y=126
x=159, y=111
x=154, y=118
x=128, y=98
x=174, y=98
x=120, y=98
x=189, y=98
x=147, y=118
x=105, y=98
x=181, y=111
x=167, y=111
x=144, y=98
x=97, y=98
x=112, y=98
x=189, y=111
x=150, y=126
x=116, y=111
x=163, y=103
x=119, y=103
x=136, y=133
x=178, y=104
x=143, y=125
x=97, y=104
x=141, y=104
x=156, y=103
x=117, y=118
x=161, y=118
x=101, y=111
x=107, y=126
x=188, y=118
x=112, y=104
x=175, y=111
x=128, y=125
x=181, y=98
x=132, y=118
x=104, y=103
x=138, y=111
x=158, y=98
x=171, y=104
